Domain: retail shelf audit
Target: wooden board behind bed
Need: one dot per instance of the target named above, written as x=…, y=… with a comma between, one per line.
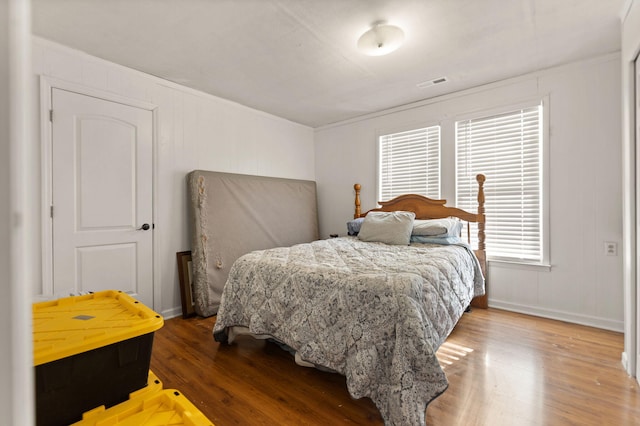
x=427, y=208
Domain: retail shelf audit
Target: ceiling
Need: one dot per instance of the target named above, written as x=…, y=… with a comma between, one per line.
x=297, y=59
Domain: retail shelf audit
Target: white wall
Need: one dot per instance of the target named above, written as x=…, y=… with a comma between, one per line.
x=5, y=219
x=583, y=285
x=198, y=131
x=630, y=51
x=194, y=131
x=16, y=354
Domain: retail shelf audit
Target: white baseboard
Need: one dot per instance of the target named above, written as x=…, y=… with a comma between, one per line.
x=171, y=313
x=587, y=320
x=625, y=362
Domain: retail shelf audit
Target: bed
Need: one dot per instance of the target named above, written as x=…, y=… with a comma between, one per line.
x=373, y=311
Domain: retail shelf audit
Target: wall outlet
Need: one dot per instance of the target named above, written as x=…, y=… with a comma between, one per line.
x=610, y=248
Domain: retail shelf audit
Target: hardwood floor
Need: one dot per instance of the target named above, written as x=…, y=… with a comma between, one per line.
x=503, y=369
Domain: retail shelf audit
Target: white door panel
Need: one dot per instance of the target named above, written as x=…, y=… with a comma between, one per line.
x=107, y=153
x=94, y=267
x=102, y=195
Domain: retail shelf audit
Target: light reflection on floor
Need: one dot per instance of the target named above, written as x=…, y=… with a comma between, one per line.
x=509, y=371
x=448, y=353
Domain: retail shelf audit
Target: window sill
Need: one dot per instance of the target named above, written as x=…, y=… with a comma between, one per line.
x=512, y=264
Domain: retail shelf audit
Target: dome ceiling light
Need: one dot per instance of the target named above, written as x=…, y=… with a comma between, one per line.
x=380, y=39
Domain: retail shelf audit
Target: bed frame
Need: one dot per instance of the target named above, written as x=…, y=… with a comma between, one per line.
x=427, y=208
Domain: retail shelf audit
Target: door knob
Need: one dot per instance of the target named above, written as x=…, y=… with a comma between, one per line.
x=144, y=227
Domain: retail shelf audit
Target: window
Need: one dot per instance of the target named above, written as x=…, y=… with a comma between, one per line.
x=507, y=149
x=410, y=163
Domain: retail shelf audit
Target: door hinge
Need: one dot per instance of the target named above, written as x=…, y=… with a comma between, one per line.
x=51, y=115
x=51, y=212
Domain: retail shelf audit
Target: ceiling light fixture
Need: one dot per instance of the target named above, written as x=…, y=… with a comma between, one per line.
x=380, y=39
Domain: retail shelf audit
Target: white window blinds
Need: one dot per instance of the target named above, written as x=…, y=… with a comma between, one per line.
x=507, y=149
x=410, y=163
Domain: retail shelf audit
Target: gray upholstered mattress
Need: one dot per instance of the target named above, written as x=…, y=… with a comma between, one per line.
x=373, y=312
x=233, y=214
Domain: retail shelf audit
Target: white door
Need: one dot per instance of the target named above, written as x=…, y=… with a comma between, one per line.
x=102, y=196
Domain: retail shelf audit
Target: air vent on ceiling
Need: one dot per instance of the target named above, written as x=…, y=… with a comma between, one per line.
x=433, y=82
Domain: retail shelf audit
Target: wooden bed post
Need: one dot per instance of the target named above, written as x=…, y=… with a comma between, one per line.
x=481, y=301
x=480, y=178
x=357, y=212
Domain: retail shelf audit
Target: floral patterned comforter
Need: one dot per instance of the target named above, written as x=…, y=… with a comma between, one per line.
x=373, y=312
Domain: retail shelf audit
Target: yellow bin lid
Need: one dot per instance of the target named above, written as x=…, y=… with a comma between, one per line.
x=166, y=407
x=72, y=325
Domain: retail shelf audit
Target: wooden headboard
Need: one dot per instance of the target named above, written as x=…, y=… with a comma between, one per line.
x=427, y=208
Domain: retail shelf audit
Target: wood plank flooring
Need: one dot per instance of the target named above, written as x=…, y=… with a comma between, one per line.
x=503, y=369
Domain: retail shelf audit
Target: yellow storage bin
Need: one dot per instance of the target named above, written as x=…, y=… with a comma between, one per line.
x=153, y=385
x=166, y=407
x=89, y=350
x=77, y=324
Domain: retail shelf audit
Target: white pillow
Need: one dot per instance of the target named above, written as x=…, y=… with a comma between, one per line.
x=387, y=227
x=446, y=227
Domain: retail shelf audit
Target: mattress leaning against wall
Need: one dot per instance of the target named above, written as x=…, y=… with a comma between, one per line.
x=234, y=214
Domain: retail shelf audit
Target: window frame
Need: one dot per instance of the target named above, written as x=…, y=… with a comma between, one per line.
x=402, y=129
x=545, y=261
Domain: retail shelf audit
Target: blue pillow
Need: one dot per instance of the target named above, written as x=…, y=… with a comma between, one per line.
x=435, y=240
x=353, y=226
